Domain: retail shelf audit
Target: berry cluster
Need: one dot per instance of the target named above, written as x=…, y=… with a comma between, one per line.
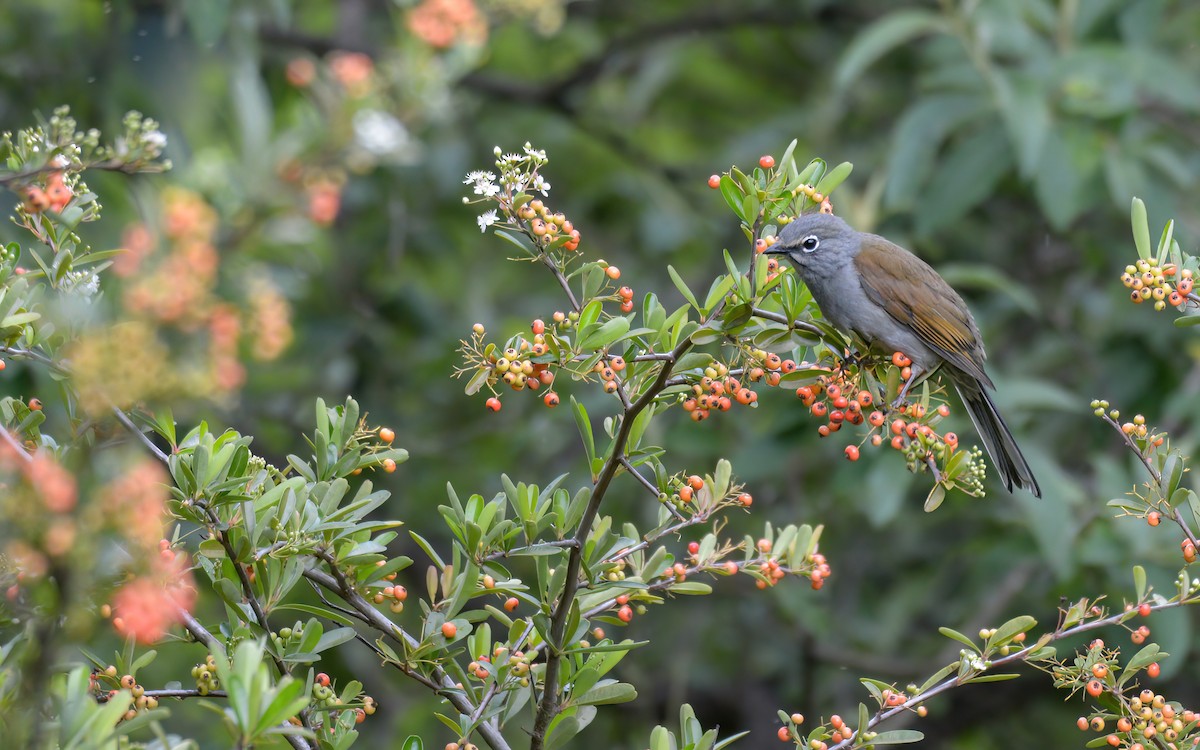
x=105, y=685
x=1141, y=720
x=1148, y=280
x=205, y=675
x=840, y=398
x=395, y=594
x=546, y=226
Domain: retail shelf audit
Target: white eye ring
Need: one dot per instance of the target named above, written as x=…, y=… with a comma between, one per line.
x=810, y=243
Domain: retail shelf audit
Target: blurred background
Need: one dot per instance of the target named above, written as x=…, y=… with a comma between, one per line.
x=321, y=146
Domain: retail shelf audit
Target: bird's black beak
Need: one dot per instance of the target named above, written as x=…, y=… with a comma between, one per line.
x=776, y=249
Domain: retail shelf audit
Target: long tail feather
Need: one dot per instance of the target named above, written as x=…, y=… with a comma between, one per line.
x=1006, y=456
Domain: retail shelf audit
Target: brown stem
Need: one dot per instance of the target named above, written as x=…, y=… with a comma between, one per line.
x=548, y=705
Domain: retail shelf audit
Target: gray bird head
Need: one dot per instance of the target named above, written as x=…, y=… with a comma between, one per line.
x=817, y=244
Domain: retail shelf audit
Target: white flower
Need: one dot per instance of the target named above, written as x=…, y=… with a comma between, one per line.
x=155, y=139
x=539, y=183
x=485, y=183
x=538, y=154
x=485, y=220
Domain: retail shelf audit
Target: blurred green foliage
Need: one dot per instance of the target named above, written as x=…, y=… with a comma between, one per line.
x=1000, y=140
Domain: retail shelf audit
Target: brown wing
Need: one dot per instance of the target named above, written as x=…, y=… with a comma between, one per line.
x=923, y=301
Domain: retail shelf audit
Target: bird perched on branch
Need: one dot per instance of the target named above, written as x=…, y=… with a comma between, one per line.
x=891, y=298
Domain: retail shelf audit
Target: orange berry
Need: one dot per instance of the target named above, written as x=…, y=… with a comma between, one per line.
x=449, y=630
x=766, y=161
x=1095, y=688
x=35, y=404
x=613, y=272
x=784, y=734
x=950, y=439
x=695, y=482
x=511, y=603
x=400, y=593
x=1100, y=670
x=388, y=465
x=1082, y=723
x=714, y=181
x=852, y=452
x=745, y=499
x=1113, y=740
x=538, y=327
x=1153, y=670
x=685, y=494
x=551, y=399
x=625, y=613
x=1144, y=609
x=322, y=679
x=1153, y=518
x=899, y=360
x=386, y=434
x=875, y=418
x=493, y=404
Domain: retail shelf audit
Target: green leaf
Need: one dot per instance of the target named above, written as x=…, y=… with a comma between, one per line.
x=732, y=195
x=1139, y=582
x=951, y=633
x=881, y=37
x=935, y=497
x=992, y=678
x=834, y=177
x=585, y=429
x=412, y=742
x=603, y=695
x=1005, y=632
x=607, y=334
x=19, y=319
x=1149, y=654
x=897, y=737
x=682, y=287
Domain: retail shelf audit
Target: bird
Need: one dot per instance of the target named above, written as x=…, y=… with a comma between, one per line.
x=890, y=298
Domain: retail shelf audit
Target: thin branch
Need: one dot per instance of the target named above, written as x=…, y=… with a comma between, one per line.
x=124, y=419
x=1019, y=656
x=198, y=631
x=798, y=325
x=548, y=705
x=440, y=683
x=247, y=586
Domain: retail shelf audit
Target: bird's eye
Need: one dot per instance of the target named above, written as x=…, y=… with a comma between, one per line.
x=810, y=243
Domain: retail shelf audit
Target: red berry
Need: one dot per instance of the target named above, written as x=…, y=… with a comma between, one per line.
x=714, y=181
x=745, y=499
x=449, y=629
x=1154, y=670
x=852, y=452
x=693, y=548
x=766, y=162
x=493, y=404
x=784, y=734
x=538, y=327
x=1144, y=609
x=625, y=613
